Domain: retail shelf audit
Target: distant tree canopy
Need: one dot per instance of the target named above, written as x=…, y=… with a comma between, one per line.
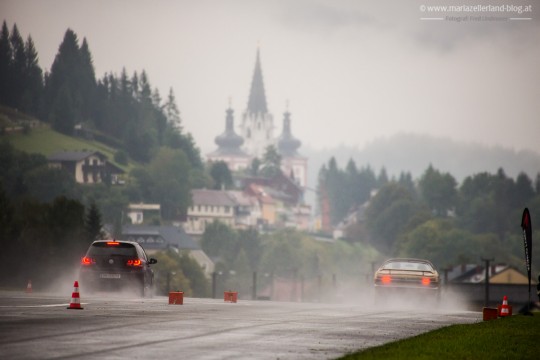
x=122, y=111
x=346, y=189
x=433, y=217
x=119, y=110
x=221, y=175
x=21, y=78
x=271, y=162
x=40, y=240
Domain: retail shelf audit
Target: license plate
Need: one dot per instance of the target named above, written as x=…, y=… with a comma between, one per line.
x=110, y=276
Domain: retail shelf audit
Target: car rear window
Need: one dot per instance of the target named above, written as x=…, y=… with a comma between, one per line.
x=121, y=249
x=407, y=265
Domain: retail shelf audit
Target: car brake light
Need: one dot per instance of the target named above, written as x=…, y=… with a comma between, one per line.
x=386, y=279
x=133, y=262
x=113, y=243
x=426, y=281
x=87, y=261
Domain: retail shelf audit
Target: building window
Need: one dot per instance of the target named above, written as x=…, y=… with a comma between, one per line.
x=227, y=209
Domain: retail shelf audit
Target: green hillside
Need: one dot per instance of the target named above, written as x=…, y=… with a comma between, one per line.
x=43, y=140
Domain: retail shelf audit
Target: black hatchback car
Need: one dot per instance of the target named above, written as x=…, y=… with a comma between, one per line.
x=116, y=264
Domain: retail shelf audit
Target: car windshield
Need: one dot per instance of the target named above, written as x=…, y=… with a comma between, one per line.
x=407, y=265
x=121, y=249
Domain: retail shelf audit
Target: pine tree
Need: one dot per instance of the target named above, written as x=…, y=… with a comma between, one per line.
x=32, y=96
x=17, y=70
x=72, y=71
x=6, y=54
x=63, y=112
x=64, y=106
x=271, y=163
x=87, y=80
x=135, y=85
x=172, y=113
x=92, y=223
x=145, y=90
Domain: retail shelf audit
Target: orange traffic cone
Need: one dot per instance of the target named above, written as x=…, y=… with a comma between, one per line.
x=29, y=287
x=505, y=311
x=75, y=298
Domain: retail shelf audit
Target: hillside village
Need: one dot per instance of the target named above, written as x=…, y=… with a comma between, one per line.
x=130, y=158
x=266, y=203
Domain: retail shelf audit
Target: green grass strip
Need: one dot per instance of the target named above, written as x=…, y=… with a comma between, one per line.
x=516, y=337
x=45, y=141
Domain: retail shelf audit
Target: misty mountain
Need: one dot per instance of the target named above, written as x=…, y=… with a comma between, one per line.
x=414, y=153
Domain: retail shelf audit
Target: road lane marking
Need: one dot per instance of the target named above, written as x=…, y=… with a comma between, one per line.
x=36, y=306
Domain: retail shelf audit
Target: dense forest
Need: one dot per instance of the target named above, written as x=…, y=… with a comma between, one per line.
x=432, y=216
x=43, y=211
x=122, y=111
x=119, y=110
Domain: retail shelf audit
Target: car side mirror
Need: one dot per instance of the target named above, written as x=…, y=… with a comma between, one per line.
x=152, y=261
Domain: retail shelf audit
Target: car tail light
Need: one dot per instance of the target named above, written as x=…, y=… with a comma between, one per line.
x=113, y=243
x=426, y=281
x=134, y=262
x=87, y=261
x=386, y=279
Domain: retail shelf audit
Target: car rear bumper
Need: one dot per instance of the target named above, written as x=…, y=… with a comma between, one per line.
x=109, y=280
x=405, y=287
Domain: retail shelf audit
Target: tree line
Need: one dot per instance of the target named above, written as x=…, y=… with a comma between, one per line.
x=123, y=111
x=433, y=216
x=47, y=221
x=287, y=254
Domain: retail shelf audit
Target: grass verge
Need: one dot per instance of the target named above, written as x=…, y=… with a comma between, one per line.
x=45, y=141
x=516, y=337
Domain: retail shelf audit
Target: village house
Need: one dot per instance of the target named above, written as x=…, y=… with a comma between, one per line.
x=87, y=167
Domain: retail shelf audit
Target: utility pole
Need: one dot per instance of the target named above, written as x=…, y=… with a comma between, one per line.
x=254, y=288
x=214, y=276
x=486, y=299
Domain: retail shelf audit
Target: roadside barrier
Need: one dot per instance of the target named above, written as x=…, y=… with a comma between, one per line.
x=75, y=298
x=176, y=298
x=230, y=296
x=489, y=313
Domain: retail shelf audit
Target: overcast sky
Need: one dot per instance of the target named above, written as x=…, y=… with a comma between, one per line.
x=352, y=71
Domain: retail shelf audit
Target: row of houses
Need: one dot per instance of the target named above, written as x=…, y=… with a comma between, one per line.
x=262, y=202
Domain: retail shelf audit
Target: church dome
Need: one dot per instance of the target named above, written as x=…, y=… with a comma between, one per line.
x=287, y=144
x=229, y=139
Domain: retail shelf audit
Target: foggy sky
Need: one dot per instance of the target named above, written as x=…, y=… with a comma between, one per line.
x=352, y=71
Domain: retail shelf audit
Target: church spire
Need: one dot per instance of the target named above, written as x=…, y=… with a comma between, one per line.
x=257, y=97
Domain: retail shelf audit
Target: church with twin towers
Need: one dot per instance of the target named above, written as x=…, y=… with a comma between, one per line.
x=256, y=133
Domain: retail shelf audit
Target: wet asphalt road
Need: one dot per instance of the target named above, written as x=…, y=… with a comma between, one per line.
x=38, y=326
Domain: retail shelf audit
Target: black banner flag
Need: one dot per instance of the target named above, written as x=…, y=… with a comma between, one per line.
x=527, y=241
